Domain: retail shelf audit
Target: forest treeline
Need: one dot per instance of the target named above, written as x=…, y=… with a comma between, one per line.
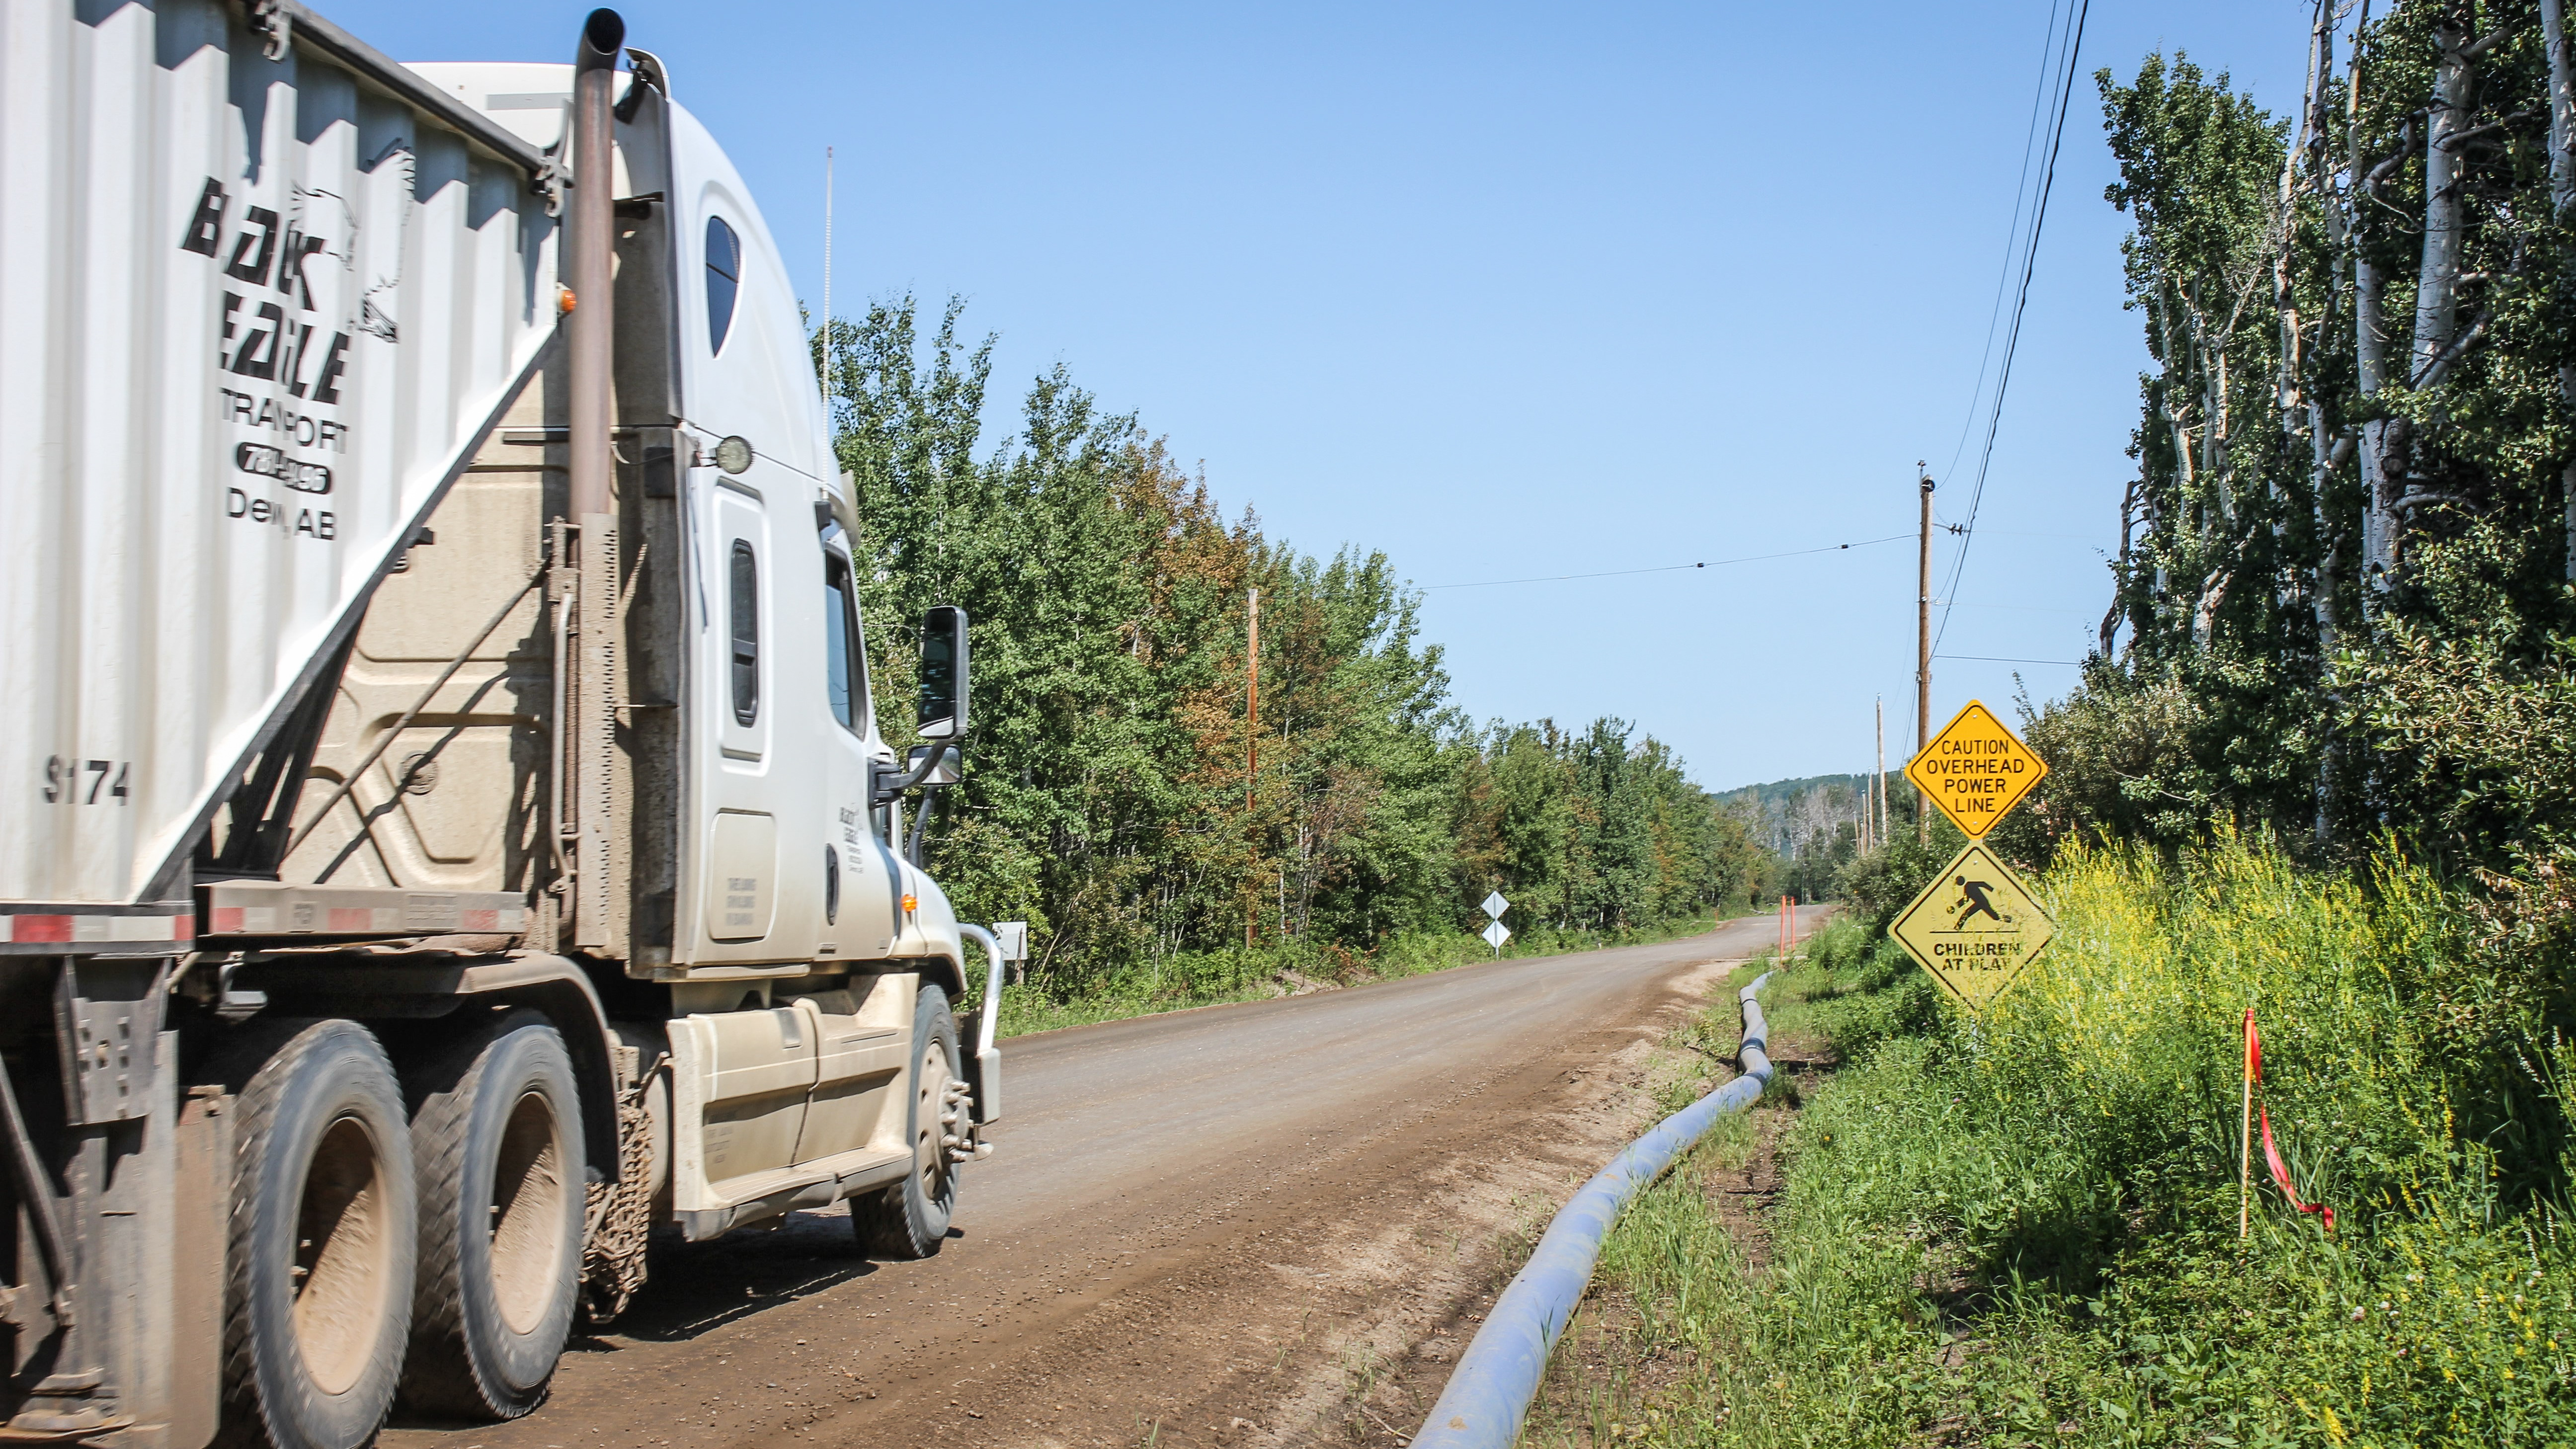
x=2342, y=593
x=1107, y=797
x=2320, y=775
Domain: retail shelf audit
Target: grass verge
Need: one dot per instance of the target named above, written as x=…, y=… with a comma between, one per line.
x=2023, y=1230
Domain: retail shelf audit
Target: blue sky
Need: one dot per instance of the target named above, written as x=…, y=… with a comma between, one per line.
x=1510, y=290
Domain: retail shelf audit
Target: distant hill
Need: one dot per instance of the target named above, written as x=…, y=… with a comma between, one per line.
x=1788, y=816
x=1777, y=790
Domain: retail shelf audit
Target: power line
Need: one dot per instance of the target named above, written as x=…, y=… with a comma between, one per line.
x=2012, y=233
x=2021, y=305
x=1670, y=568
x=2000, y=659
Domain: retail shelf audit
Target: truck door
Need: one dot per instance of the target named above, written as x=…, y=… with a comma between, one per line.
x=861, y=879
x=864, y=1032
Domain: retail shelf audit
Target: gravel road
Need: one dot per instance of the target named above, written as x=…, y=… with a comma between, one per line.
x=1243, y=1224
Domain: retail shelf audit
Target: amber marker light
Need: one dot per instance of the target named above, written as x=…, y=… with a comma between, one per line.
x=910, y=902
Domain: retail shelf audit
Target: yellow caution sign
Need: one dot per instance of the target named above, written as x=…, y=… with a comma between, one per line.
x=1974, y=927
x=1975, y=770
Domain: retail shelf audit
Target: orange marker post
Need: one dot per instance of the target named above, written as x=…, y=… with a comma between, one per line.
x=2245, y=1139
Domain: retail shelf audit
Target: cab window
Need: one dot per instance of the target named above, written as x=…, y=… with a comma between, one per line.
x=724, y=280
x=743, y=611
x=845, y=664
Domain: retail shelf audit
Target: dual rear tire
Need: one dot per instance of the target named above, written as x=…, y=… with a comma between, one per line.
x=318, y=1260
x=433, y=1252
x=496, y=1127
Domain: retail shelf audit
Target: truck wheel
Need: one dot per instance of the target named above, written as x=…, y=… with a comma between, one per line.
x=497, y=1132
x=910, y=1218
x=317, y=1301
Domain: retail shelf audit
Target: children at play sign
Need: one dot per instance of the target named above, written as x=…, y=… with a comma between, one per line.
x=1976, y=925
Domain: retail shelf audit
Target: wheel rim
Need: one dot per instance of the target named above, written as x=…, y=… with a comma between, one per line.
x=527, y=1214
x=930, y=1157
x=343, y=1256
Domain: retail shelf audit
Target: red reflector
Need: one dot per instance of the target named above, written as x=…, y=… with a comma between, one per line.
x=42, y=928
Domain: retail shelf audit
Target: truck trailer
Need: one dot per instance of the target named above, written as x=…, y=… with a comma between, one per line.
x=448, y=839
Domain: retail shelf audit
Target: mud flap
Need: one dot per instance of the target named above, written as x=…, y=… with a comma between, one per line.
x=201, y=1207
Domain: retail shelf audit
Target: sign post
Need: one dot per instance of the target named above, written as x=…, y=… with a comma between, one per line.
x=1976, y=925
x=1497, y=933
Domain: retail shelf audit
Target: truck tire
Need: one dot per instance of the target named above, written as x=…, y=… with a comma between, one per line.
x=909, y=1219
x=496, y=1129
x=318, y=1258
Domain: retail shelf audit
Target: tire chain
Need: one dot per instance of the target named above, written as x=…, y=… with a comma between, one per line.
x=617, y=1221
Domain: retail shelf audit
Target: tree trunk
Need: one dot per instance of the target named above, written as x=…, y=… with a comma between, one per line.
x=2437, y=280
x=2437, y=276
x=2562, y=202
x=2370, y=348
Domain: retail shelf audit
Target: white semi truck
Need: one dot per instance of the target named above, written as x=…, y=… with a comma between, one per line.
x=445, y=832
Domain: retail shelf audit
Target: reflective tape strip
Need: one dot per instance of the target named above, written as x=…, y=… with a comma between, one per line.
x=81, y=929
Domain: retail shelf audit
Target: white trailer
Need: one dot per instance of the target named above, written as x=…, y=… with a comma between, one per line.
x=446, y=836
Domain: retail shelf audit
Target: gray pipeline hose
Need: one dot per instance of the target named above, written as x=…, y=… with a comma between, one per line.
x=1496, y=1378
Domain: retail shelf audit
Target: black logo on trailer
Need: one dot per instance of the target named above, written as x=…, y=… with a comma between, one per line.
x=270, y=461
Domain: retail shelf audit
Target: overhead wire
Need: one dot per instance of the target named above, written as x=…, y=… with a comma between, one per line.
x=2012, y=233
x=1672, y=568
x=2073, y=52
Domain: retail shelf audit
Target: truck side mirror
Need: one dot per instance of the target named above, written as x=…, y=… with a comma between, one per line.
x=949, y=770
x=943, y=673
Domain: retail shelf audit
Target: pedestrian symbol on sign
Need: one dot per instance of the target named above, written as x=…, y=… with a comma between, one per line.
x=1972, y=897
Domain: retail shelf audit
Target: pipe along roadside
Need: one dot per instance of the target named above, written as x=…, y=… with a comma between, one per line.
x=1491, y=1389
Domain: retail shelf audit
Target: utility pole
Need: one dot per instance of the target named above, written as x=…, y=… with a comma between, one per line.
x=1252, y=741
x=1252, y=696
x=1923, y=652
x=1878, y=781
x=1868, y=809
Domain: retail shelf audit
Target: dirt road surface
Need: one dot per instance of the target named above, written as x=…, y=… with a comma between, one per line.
x=1274, y=1224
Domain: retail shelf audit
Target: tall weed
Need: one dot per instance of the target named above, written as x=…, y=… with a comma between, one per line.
x=2022, y=1229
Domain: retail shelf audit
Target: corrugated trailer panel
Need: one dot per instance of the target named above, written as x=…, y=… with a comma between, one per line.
x=256, y=312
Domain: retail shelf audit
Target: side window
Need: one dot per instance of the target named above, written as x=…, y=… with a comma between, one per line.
x=743, y=615
x=724, y=279
x=846, y=665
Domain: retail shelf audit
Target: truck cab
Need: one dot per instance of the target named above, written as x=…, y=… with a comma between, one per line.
x=538, y=881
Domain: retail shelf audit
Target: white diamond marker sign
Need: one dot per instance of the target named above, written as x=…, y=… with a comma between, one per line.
x=1495, y=905
x=1496, y=934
